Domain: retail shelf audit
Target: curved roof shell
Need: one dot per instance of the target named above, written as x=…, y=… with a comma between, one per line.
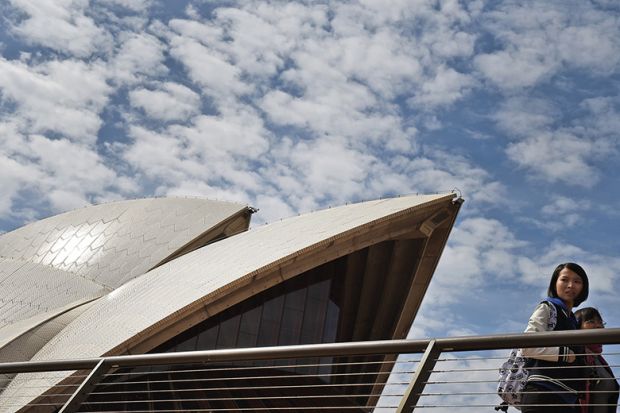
x=54, y=265
x=29, y=289
x=146, y=311
x=195, y=282
x=113, y=243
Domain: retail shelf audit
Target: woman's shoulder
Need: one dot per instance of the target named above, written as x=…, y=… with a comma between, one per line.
x=544, y=318
x=545, y=306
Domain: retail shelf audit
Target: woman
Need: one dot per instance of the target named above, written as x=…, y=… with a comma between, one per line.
x=602, y=388
x=547, y=384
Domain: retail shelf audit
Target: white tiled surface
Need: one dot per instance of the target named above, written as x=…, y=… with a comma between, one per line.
x=90, y=251
x=115, y=242
x=83, y=254
x=160, y=293
x=43, y=334
x=28, y=289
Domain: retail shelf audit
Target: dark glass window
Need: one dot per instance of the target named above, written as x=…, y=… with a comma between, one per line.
x=249, y=327
x=270, y=321
x=303, y=310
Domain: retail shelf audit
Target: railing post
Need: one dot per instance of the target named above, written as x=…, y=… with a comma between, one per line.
x=419, y=379
x=81, y=393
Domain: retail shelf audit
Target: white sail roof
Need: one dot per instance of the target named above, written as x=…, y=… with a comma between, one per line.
x=51, y=266
x=173, y=288
x=150, y=304
x=112, y=243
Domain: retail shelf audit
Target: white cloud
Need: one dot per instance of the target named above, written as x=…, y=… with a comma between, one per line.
x=329, y=169
x=133, y=5
x=332, y=68
x=564, y=205
x=138, y=56
x=343, y=111
x=328, y=77
x=454, y=44
x=382, y=60
x=556, y=151
x=217, y=150
x=593, y=46
x=169, y=102
x=61, y=25
x=272, y=207
x=541, y=39
x=16, y=173
x=58, y=173
x=195, y=30
x=14, y=177
x=72, y=173
x=479, y=246
x=520, y=116
x=210, y=69
x=58, y=96
x=515, y=69
x=561, y=213
x=202, y=189
x=601, y=269
x=445, y=88
x=262, y=35
x=604, y=117
x=557, y=156
x=439, y=171
x=235, y=133
x=157, y=156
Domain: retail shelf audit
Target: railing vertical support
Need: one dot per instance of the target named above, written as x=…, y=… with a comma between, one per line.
x=419, y=379
x=75, y=401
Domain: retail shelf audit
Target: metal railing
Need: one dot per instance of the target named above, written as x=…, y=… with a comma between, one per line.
x=381, y=376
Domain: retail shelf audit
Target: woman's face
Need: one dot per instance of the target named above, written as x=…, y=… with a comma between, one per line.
x=568, y=286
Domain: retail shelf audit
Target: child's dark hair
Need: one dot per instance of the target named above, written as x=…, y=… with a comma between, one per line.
x=576, y=268
x=587, y=314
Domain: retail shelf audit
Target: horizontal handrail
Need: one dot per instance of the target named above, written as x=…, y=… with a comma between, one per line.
x=449, y=344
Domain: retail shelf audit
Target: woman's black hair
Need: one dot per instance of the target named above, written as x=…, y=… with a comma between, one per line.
x=587, y=314
x=576, y=268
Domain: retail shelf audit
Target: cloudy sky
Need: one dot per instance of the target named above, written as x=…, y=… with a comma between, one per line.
x=295, y=106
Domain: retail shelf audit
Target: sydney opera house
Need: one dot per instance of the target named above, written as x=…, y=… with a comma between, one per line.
x=175, y=274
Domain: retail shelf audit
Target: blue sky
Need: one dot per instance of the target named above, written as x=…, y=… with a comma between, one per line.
x=295, y=106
